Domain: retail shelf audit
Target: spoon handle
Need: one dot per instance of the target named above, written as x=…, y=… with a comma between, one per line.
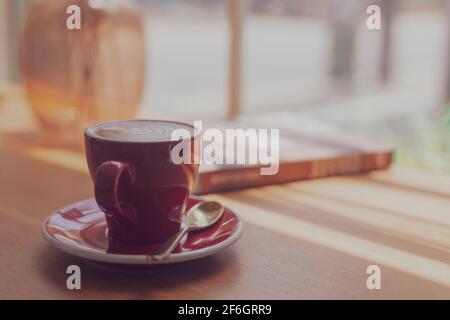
x=167, y=247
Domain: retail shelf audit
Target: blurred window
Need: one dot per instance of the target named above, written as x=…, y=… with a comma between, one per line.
x=285, y=48
x=187, y=58
x=285, y=54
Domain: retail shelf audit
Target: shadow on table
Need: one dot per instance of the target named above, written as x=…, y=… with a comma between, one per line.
x=108, y=281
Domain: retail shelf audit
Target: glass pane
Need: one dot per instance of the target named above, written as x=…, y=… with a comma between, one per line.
x=286, y=46
x=187, y=59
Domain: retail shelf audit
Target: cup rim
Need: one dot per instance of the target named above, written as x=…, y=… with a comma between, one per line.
x=87, y=134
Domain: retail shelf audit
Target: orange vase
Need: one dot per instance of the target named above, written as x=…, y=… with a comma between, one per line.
x=76, y=77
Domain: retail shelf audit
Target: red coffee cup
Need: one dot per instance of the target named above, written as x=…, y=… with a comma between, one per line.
x=138, y=186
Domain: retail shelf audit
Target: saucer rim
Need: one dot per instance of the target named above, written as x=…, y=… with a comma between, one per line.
x=139, y=259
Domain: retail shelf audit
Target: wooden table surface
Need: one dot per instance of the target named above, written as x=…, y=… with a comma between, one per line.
x=310, y=239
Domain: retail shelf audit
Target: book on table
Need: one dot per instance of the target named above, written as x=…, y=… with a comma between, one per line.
x=308, y=149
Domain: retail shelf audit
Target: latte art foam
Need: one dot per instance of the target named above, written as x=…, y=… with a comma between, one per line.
x=137, y=130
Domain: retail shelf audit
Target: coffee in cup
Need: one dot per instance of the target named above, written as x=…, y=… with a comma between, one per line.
x=142, y=192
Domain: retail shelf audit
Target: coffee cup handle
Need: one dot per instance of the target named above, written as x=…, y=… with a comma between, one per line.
x=107, y=178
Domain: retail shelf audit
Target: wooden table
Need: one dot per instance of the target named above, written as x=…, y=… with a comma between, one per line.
x=311, y=239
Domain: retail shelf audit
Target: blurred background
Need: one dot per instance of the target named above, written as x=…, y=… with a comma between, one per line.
x=226, y=59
